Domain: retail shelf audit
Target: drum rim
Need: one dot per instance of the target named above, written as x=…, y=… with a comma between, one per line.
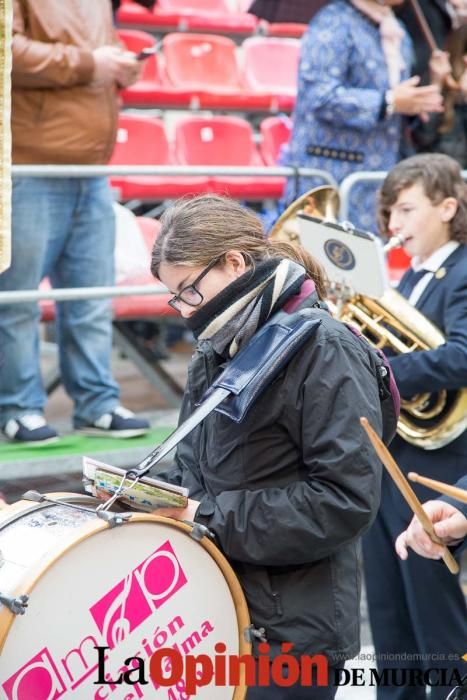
x=33, y=576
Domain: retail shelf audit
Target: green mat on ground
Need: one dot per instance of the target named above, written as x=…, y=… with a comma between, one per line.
x=80, y=445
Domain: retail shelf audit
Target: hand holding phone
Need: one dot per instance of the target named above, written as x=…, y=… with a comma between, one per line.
x=145, y=53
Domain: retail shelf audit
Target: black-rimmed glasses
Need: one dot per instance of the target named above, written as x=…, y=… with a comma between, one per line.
x=190, y=294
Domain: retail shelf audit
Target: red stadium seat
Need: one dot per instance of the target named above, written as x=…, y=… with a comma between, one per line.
x=188, y=15
x=193, y=6
x=207, y=65
x=275, y=132
x=152, y=90
x=142, y=141
x=225, y=141
x=286, y=29
x=198, y=61
x=271, y=66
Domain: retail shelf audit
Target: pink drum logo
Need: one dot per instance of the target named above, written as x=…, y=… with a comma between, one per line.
x=138, y=595
x=38, y=679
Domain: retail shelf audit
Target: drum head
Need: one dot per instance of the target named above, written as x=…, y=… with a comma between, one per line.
x=128, y=590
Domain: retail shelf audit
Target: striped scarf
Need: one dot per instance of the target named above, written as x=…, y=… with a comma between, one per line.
x=232, y=317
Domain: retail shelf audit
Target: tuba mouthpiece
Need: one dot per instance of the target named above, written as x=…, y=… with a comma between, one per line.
x=394, y=242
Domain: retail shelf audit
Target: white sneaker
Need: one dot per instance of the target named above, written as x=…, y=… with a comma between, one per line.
x=30, y=429
x=119, y=423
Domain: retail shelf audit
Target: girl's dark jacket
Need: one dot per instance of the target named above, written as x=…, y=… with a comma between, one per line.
x=289, y=491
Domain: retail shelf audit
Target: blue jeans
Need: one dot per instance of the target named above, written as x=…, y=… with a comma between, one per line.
x=63, y=229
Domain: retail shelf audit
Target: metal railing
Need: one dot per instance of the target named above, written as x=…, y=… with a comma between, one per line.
x=62, y=171
x=181, y=170
x=81, y=293
x=349, y=182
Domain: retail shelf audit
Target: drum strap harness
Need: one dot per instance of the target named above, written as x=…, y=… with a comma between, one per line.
x=246, y=376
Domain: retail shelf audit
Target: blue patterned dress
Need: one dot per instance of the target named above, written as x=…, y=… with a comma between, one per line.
x=337, y=126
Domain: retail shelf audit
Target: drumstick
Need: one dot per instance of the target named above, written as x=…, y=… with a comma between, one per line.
x=407, y=492
x=440, y=486
x=423, y=25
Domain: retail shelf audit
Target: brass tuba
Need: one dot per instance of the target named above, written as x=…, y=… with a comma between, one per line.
x=428, y=420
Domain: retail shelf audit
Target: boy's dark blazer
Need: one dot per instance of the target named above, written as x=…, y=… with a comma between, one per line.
x=444, y=303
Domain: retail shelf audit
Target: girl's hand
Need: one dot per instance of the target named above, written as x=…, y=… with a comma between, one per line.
x=187, y=513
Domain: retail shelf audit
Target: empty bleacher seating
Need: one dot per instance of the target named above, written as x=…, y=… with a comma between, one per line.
x=199, y=61
x=142, y=140
x=203, y=71
x=275, y=132
x=270, y=65
x=206, y=65
x=225, y=140
x=187, y=15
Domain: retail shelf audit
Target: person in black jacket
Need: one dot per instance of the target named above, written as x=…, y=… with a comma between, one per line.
x=446, y=132
x=289, y=490
x=424, y=201
x=438, y=15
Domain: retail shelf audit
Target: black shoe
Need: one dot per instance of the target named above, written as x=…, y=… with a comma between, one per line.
x=119, y=423
x=31, y=429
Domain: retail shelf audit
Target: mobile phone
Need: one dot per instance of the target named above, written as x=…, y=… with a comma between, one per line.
x=145, y=53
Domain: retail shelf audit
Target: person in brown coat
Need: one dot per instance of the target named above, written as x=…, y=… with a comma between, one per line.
x=67, y=68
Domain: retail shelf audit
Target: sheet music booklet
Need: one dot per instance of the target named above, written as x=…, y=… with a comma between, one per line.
x=351, y=258
x=147, y=494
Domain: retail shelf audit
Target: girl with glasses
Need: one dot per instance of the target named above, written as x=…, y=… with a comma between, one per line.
x=289, y=490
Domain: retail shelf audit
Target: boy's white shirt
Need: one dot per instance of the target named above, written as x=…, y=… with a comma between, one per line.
x=431, y=265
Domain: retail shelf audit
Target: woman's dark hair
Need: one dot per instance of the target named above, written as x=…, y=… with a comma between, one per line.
x=440, y=177
x=196, y=230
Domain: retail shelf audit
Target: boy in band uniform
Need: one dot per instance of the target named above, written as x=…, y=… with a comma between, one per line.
x=417, y=608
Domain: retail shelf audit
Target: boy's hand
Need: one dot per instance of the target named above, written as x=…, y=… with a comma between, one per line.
x=450, y=525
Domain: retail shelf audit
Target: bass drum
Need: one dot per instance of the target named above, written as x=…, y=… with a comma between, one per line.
x=128, y=590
